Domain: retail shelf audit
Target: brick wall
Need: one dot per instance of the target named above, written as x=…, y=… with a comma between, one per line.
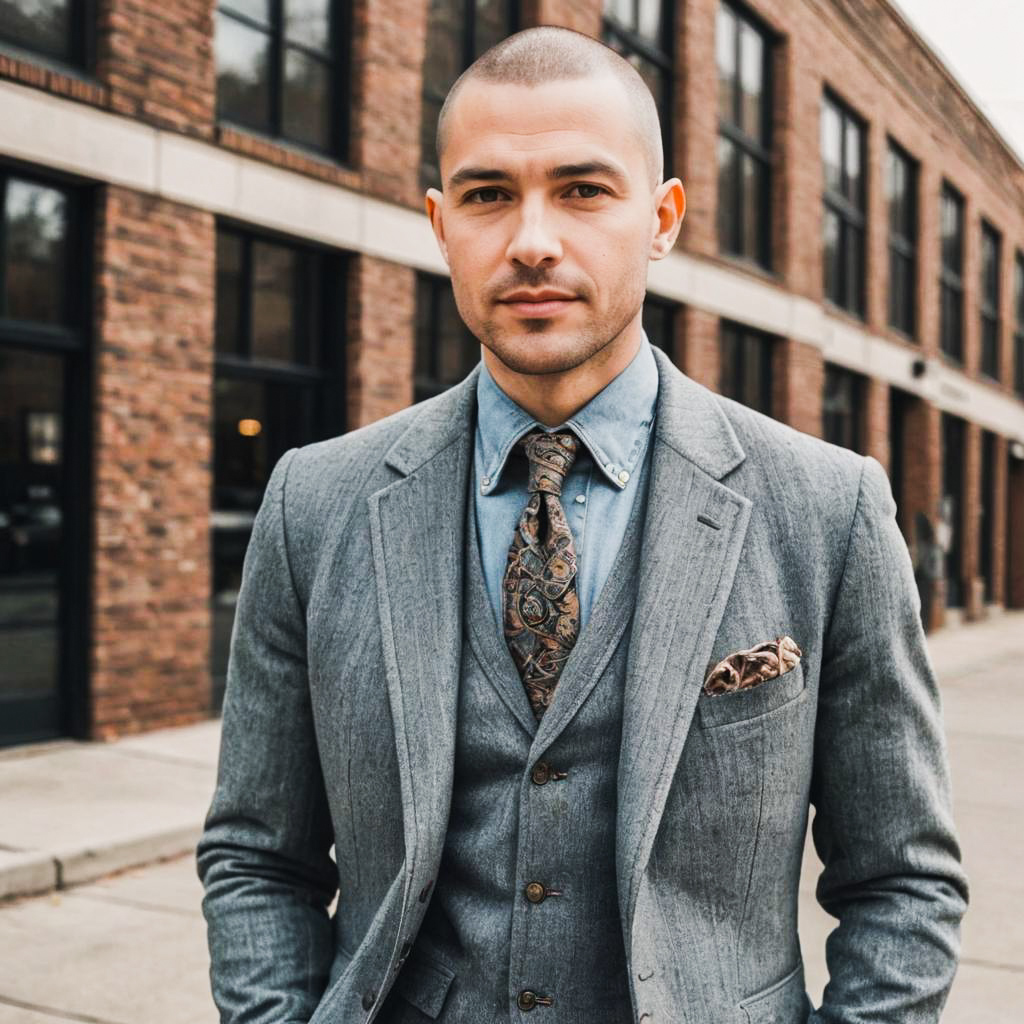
x=152, y=438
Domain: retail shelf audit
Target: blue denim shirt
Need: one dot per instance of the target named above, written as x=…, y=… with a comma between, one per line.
x=598, y=494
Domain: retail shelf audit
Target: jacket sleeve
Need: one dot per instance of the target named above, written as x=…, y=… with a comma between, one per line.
x=264, y=855
x=881, y=789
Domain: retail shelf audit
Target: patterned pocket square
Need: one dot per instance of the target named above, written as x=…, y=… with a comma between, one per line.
x=744, y=669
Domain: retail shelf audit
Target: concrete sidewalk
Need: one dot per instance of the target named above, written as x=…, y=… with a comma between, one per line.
x=71, y=812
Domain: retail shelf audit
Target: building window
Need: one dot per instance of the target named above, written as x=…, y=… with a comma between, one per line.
x=746, y=366
x=280, y=70
x=659, y=323
x=641, y=32
x=901, y=195
x=446, y=351
x=951, y=273
x=843, y=154
x=991, y=245
x=744, y=137
x=278, y=384
x=45, y=413
x=1018, y=334
x=58, y=29
x=458, y=31
x=842, y=407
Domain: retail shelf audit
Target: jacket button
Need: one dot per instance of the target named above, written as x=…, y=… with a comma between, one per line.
x=541, y=773
x=527, y=1000
x=535, y=892
x=369, y=998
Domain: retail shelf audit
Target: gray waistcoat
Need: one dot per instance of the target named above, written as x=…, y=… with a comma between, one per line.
x=487, y=938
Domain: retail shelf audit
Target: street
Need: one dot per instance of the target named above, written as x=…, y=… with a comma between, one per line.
x=132, y=947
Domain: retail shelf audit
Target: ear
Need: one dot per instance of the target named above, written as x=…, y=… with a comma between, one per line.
x=669, y=210
x=433, y=200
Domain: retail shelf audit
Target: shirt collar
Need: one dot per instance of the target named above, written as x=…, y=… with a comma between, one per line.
x=614, y=424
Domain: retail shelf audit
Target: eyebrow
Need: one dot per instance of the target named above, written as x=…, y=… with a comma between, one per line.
x=467, y=174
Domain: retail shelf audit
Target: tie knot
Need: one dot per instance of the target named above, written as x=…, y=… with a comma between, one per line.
x=551, y=457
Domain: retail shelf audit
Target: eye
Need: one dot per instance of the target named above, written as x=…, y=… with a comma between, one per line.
x=597, y=190
x=483, y=195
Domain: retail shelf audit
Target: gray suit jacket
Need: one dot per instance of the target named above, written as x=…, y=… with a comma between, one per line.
x=339, y=728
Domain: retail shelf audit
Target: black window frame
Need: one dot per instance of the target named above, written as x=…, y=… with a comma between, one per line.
x=903, y=242
x=431, y=290
x=951, y=278
x=626, y=41
x=430, y=172
x=80, y=53
x=74, y=341
x=851, y=217
x=989, y=297
x=1018, y=332
x=759, y=150
x=340, y=71
x=746, y=339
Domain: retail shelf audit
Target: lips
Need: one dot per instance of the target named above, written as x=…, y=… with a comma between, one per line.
x=543, y=303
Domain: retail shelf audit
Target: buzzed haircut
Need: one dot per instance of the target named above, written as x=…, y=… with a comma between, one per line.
x=548, y=53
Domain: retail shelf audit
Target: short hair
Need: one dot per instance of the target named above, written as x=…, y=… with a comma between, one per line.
x=548, y=53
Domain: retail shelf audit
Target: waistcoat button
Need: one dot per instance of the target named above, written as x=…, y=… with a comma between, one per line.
x=527, y=1000
x=535, y=892
x=541, y=773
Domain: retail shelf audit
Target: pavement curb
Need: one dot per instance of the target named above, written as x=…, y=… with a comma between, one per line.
x=35, y=873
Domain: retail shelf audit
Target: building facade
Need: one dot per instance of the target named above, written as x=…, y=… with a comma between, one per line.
x=213, y=248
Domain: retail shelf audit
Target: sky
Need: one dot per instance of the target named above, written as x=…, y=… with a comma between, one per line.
x=982, y=42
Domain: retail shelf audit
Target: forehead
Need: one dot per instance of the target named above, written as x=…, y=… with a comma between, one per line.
x=537, y=125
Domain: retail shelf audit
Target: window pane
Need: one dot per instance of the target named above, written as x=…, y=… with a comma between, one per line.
x=832, y=146
x=751, y=81
x=228, y=332
x=658, y=321
x=895, y=193
x=990, y=267
x=753, y=175
x=621, y=11
x=455, y=349
x=32, y=454
x=854, y=269
x=257, y=10
x=1019, y=289
x=649, y=21
x=840, y=407
x=854, y=182
x=35, y=256
x=728, y=213
x=901, y=292
x=306, y=101
x=243, y=56
x=725, y=56
x=444, y=47
x=831, y=235
x=273, y=302
x=40, y=25
x=491, y=24
x=951, y=218
x=308, y=22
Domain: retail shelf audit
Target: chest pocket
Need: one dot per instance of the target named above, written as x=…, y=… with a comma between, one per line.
x=762, y=699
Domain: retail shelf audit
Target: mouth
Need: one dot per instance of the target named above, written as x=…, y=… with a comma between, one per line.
x=539, y=305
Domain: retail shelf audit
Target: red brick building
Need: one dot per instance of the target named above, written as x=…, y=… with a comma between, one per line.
x=212, y=248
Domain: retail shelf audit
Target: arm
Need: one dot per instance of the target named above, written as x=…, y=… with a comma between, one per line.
x=883, y=824
x=264, y=857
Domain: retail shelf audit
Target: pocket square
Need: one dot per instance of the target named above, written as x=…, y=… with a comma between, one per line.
x=743, y=669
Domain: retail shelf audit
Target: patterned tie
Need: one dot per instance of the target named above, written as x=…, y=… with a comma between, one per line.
x=541, y=608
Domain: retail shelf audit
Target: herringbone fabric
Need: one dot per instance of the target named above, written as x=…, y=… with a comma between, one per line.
x=540, y=605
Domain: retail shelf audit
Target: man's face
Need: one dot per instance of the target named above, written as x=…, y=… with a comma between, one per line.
x=548, y=219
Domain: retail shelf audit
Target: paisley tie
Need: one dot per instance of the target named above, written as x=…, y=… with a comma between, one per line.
x=540, y=606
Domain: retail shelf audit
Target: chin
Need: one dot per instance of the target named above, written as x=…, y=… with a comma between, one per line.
x=538, y=350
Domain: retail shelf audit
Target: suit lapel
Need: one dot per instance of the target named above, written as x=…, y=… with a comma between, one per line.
x=692, y=539
x=416, y=526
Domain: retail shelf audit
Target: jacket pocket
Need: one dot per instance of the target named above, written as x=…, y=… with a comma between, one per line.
x=772, y=694
x=784, y=1002
x=424, y=983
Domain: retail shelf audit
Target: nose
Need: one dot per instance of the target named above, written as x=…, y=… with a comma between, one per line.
x=535, y=241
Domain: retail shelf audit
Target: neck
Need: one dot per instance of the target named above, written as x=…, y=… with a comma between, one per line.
x=553, y=398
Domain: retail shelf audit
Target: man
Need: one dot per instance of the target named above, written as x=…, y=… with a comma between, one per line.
x=559, y=659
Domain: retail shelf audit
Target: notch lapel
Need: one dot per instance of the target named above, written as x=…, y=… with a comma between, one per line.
x=416, y=527
x=693, y=535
